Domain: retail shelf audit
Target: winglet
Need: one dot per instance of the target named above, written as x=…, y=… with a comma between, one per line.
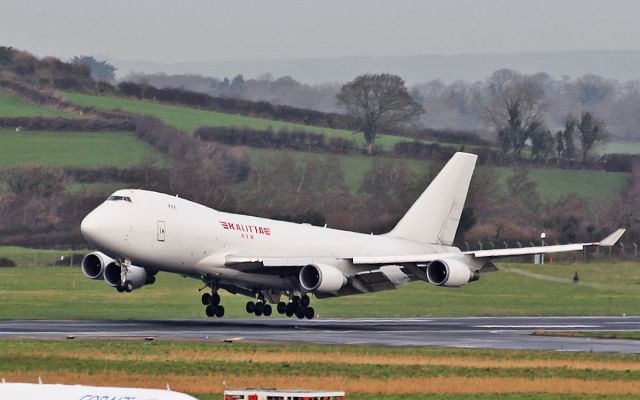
x=612, y=239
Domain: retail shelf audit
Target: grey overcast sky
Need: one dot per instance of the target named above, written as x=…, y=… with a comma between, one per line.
x=210, y=30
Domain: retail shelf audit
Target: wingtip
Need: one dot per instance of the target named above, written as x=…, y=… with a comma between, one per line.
x=463, y=154
x=612, y=239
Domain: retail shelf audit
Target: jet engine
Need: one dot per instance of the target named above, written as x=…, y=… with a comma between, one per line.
x=451, y=273
x=138, y=276
x=93, y=264
x=321, y=278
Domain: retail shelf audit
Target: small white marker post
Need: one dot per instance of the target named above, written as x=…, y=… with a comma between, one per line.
x=543, y=236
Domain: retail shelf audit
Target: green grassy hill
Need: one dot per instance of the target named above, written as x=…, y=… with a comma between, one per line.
x=86, y=149
x=552, y=183
x=15, y=106
x=122, y=149
x=190, y=119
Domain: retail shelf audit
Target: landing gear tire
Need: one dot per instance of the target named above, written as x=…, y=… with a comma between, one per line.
x=211, y=310
x=206, y=299
x=300, y=314
x=282, y=307
x=309, y=312
x=290, y=309
x=305, y=301
x=120, y=289
x=259, y=309
x=219, y=311
x=215, y=298
x=251, y=307
x=267, y=310
x=128, y=286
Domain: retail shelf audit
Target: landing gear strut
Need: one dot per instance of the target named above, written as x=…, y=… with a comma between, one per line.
x=298, y=306
x=212, y=303
x=124, y=285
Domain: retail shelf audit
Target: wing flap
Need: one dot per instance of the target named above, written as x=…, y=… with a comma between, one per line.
x=374, y=281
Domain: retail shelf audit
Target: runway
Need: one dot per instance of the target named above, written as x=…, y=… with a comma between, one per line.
x=473, y=332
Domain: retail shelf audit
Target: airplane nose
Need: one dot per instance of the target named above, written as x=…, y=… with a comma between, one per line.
x=90, y=227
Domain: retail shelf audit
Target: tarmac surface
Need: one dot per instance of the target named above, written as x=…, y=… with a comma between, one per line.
x=472, y=332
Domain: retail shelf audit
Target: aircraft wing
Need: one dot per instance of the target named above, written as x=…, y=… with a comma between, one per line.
x=561, y=248
x=494, y=253
x=376, y=273
x=273, y=262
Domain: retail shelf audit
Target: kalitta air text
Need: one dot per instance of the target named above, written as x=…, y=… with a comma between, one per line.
x=252, y=229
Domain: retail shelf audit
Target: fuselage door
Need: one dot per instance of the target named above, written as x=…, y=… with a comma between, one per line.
x=161, y=231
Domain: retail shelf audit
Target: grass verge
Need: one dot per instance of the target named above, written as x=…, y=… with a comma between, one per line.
x=200, y=368
x=597, y=335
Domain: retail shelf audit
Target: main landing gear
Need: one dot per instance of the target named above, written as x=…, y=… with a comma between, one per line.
x=260, y=307
x=298, y=306
x=212, y=301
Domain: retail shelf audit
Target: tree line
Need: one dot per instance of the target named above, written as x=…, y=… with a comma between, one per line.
x=458, y=106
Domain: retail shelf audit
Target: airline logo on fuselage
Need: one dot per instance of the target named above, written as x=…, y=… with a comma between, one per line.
x=248, y=231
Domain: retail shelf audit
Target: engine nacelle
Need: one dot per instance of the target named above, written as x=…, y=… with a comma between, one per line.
x=451, y=273
x=321, y=278
x=94, y=264
x=137, y=275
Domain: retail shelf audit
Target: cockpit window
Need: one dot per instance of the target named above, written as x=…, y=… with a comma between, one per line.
x=120, y=198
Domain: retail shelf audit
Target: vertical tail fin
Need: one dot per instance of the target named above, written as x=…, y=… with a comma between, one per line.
x=434, y=217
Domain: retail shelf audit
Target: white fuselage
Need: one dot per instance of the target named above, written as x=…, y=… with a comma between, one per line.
x=168, y=233
x=16, y=391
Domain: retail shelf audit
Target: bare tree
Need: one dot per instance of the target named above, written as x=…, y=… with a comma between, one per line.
x=378, y=102
x=517, y=112
x=592, y=132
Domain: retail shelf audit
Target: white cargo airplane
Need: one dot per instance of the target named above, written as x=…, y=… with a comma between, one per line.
x=28, y=391
x=139, y=233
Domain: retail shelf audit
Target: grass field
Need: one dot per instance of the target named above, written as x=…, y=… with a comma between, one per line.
x=24, y=257
x=552, y=183
x=87, y=149
x=621, y=148
x=518, y=289
x=15, y=106
x=599, y=335
x=363, y=372
x=190, y=119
